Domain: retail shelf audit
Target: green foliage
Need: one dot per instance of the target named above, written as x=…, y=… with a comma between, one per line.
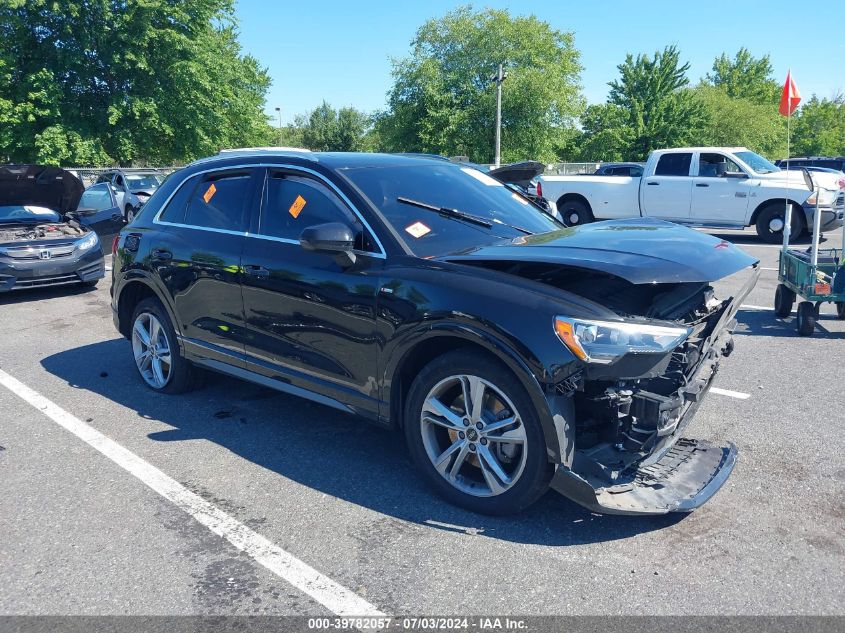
x=606, y=134
x=731, y=121
x=443, y=100
x=658, y=109
x=745, y=77
x=819, y=128
x=100, y=81
x=328, y=130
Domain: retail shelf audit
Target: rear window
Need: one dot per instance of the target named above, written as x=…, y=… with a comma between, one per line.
x=673, y=165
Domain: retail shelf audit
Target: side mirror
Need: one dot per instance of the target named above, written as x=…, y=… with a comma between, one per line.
x=332, y=237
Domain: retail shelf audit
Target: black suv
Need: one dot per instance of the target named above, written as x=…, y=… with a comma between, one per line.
x=825, y=162
x=512, y=352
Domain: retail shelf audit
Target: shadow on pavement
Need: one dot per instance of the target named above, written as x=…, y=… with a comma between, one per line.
x=49, y=292
x=328, y=451
x=765, y=323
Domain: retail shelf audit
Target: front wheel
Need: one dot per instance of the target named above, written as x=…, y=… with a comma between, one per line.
x=806, y=320
x=129, y=213
x=574, y=212
x=772, y=219
x=474, y=434
x=784, y=299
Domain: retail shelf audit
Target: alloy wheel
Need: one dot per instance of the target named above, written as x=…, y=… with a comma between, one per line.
x=473, y=435
x=152, y=350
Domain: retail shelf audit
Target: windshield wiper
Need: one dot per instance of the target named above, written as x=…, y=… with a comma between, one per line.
x=447, y=212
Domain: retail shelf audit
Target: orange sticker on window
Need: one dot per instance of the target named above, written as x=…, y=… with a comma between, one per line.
x=209, y=193
x=296, y=207
x=418, y=229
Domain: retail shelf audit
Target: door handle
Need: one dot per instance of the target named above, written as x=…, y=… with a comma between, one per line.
x=254, y=270
x=653, y=184
x=701, y=184
x=161, y=254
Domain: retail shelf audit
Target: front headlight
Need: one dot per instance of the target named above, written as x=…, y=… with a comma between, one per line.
x=825, y=198
x=606, y=341
x=88, y=242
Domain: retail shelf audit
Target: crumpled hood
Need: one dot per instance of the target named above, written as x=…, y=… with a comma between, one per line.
x=41, y=186
x=641, y=250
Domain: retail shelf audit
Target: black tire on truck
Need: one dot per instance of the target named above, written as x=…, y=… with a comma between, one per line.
x=770, y=222
x=574, y=212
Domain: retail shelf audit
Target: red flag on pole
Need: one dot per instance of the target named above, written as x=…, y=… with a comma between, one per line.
x=790, y=98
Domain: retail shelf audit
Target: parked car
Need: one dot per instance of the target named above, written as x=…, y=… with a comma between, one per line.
x=829, y=162
x=514, y=353
x=99, y=210
x=523, y=178
x=620, y=169
x=720, y=187
x=132, y=189
x=46, y=237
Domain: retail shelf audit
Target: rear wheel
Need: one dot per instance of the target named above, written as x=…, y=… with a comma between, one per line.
x=473, y=433
x=156, y=352
x=806, y=320
x=574, y=212
x=784, y=300
x=129, y=213
x=771, y=220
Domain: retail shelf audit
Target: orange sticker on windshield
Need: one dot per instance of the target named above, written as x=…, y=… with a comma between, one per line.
x=296, y=207
x=418, y=229
x=209, y=193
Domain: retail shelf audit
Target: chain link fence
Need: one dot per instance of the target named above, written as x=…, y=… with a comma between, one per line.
x=565, y=169
x=89, y=175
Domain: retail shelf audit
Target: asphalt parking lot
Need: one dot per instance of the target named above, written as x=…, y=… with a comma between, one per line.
x=81, y=535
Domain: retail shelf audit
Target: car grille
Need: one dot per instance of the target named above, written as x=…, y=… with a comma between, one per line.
x=38, y=282
x=28, y=253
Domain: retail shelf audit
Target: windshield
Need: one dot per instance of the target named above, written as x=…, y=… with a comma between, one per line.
x=757, y=162
x=143, y=181
x=429, y=233
x=27, y=213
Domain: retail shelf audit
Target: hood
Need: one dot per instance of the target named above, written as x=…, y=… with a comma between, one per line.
x=41, y=186
x=640, y=251
x=518, y=173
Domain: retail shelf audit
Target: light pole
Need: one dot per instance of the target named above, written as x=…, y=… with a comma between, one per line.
x=499, y=78
x=279, y=110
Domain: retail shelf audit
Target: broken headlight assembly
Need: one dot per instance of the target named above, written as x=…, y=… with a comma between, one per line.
x=606, y=341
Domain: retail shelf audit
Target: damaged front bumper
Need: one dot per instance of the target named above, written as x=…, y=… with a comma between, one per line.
x=673, y=474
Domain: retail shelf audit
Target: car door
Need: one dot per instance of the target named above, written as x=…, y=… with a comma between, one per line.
x=667, y=193
x=720, y=192
x=197, y=259
x=120, y=190
x=311, y=319
x=98, y=210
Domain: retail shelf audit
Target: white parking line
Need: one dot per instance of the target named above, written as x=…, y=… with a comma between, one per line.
x=748, y=306
x=324, y=590
x=731, y=394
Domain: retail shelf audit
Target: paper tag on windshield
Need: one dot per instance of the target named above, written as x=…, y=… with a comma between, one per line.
x=418, y=229
x=296, y=207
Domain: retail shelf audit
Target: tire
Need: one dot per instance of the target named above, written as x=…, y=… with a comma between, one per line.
x=179, y=375
x=574, y=212
x=470, y=463
x=773, y=213
x=806, y=321
x=784, y=300
x=129, y=214
x=840, y=310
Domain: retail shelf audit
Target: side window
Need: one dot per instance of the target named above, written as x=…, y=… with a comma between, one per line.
x=673, y=165
x=174, y=212
x=292, y=203
x=97, y=197
x=118, y=181
x=716, y=165
x=104, y=178
x=636, y=172
x=219, y=202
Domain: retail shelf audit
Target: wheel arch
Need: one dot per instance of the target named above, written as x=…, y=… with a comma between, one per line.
x=131, y=294
x=574, y=197
x=445, y=338
x=773, y=202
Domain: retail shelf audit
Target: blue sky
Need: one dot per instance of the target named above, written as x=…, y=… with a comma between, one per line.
x=340, y=50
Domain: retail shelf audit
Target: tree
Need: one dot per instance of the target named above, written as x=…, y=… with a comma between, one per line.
x=731, y=121
x=443, y=100
x=328, y=130
x=606, y=134
x=745, y=77
x=659, y=110
x=106, y=80
x=819, y=128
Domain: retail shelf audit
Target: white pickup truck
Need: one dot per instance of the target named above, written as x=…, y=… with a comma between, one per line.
x=719, y=187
